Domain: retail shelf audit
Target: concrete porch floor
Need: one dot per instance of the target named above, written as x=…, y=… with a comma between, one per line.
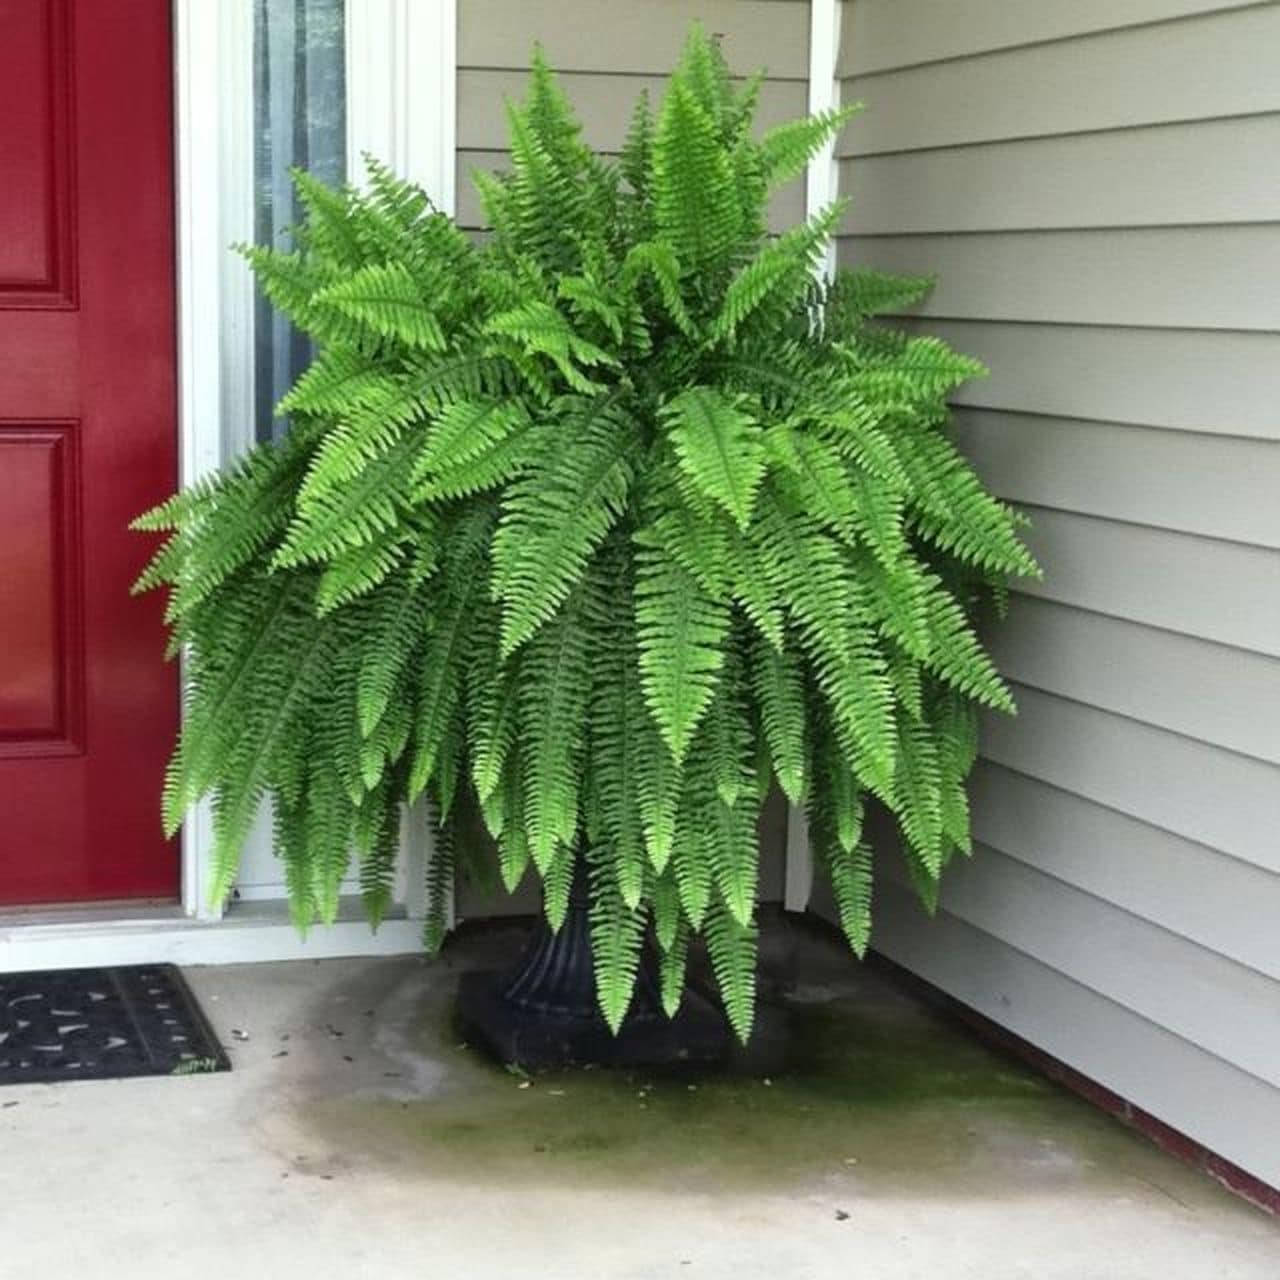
x=357, y=1138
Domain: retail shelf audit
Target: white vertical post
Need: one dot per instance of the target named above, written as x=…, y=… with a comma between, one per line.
x=821, y=187
x=822, y=179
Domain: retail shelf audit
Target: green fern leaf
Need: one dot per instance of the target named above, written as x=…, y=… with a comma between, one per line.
x=553, y=706
x=720, y=448
x=384, y=300
x=658, y=783
x=786, y=149
x=681, y=632
x=617, y=932
x=851, y=881
x=695, y=208
x=557, y=515
x=672, y=963
x=778, y=681
x=732, y=946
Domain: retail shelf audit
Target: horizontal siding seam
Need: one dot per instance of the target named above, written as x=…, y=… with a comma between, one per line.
x=1096, y=991
x=913, y=317
x=1160, y=229
x=1169, y=932
x=957, y=233
x=1145, y=524
x=1018, y=322
x=1212, y=850
x=1141, y=819
x=1252, y=863
x=1142, y=624
x=1121, y=424
x=1148, y=724
x=605, y=73
x=1099, y=33
x=1016, y=139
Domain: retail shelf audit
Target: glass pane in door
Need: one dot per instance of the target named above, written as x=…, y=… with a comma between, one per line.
x=300, y=121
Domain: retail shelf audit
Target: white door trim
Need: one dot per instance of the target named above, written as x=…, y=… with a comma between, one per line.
x=212, y=124
x=401, y=77
x=402, y=91
x=260, y=932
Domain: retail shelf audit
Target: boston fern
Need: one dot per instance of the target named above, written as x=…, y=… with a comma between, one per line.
x=601, y=526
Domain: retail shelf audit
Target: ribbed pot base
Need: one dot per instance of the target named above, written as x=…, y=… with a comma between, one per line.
x=543, y=1012
x=538, y=1039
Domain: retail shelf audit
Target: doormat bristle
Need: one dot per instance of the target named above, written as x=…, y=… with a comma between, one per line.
x=101, y=1024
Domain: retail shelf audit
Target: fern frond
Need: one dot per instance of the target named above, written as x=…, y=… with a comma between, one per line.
x=657, y=261
x=619, y=722
x=828, y=605
x=329, y=821
x=719, y=446
x=384, y=300
x=851, y=882
x=245, y=772
x=558, y=514
x=557, y=885
x=340, y=519
x=778, y=680
x=440, y=877
x=694, y=205
x=637, y=150
x=658, y=785
x=673, y=960
x=786, y=149
x=780, y=273
x=538, y=329
x=617, y=932
x=442, y=665
x=856, y=295
x=553, y=706
x=681, y=632
x=918, y=801
x=732, y=946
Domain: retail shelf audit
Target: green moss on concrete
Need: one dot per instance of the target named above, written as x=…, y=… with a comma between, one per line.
x=879, y=1096
x=876, y=1093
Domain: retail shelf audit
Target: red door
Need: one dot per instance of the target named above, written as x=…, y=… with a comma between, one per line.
x=87, y=440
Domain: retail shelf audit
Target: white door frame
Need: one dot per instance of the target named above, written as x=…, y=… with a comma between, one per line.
x=400, y=76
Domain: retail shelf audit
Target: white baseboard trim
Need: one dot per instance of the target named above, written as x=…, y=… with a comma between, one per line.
x=252, y=934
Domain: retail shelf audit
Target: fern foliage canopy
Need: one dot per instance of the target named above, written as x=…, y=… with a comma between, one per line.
x=599, y=528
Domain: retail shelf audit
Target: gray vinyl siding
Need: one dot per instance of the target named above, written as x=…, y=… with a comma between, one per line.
x=606, y=51
x=1095, y=185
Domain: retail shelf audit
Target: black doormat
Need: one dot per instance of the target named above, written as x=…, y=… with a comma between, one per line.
x=98, y=1024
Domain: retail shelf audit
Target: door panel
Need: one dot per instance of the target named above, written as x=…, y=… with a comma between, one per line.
x=35, y=151
x=40, y=657
x=88, y=439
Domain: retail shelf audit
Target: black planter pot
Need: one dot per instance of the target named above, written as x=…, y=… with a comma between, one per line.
x=542, y=1012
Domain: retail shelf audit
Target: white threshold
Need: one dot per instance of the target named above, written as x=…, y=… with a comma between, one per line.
x=252, y=932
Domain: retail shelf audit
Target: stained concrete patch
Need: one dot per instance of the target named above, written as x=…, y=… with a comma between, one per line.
x=878, y=1096
x=356, y=1138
